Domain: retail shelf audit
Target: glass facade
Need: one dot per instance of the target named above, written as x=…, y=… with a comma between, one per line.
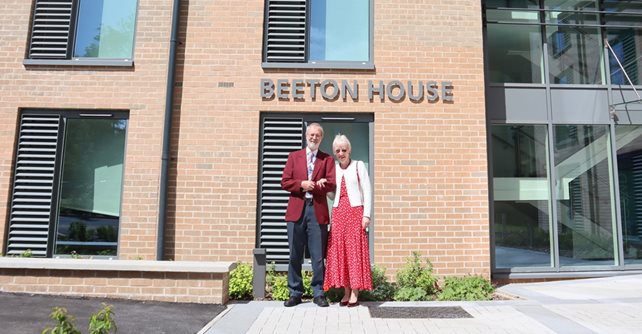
x=566, y=191
x=573, y=35
x=105, y=29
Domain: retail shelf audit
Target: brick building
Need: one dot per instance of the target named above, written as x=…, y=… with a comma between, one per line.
x=101, y=159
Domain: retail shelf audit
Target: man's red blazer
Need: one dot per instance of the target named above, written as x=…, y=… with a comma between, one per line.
x=295, y=171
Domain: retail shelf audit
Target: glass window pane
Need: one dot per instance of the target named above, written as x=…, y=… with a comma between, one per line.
x=629, y=164
x=512, y=15
x=571, y=4
x=511, y=3
x=574, y=55
x=340, y=30
x=627, y=46
x=514, y=53
x=583, y=195
x=90, y=186
x=521, y=196
x=105, y=28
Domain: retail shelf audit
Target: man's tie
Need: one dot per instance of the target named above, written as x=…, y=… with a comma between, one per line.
x=310, y=165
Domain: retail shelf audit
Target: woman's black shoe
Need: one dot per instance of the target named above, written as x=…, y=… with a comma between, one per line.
x=353, y=304
x=343, y=303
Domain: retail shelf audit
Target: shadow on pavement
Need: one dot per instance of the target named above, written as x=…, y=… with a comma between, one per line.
x=26, y=313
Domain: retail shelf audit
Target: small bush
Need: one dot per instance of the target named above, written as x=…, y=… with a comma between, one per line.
x=102, y=322
x=382, y=289
x=466, y=288
x=66, y=322
x=240, y=286
x=411, y=294
x=26, y=253
x=277, y=284
x=415, y=280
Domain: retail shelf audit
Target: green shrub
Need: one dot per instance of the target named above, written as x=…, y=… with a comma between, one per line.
x=66, y=322
x=26, y=253
x=102, y=322
x=240, y=286
x=411, y=294
x=277, y=284
x=382, y=289
x=416, y=280
x=466, y=288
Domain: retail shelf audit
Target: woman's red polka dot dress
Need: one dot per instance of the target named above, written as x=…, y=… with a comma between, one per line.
x=348, y=259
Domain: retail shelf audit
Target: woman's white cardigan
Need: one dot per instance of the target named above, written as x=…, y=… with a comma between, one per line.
x=356, y=196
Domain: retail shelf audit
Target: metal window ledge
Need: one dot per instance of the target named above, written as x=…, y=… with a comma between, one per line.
x=80, y=62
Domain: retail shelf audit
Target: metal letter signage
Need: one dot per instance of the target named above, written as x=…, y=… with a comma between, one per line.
x=332, y=90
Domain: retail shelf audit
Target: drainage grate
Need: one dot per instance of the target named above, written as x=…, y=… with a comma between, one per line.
x=441, y=312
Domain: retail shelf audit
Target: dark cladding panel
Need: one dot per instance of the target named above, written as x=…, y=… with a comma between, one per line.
x=580, y=106
x=516, y=105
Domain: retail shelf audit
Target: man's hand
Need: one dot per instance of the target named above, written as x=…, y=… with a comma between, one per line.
x=307, y=185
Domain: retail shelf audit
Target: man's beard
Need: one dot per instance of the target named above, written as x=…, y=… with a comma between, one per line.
x=313, y=146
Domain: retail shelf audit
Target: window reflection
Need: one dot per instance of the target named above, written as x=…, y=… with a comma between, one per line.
x=583, y=195
x=629, y=163
x=105, y=28
x=521, y=196
x=340, y=30
x=574, y=55
x=91, y=183
x=514, y=53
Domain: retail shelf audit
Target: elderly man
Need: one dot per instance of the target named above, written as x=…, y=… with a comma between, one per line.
x=308, y=175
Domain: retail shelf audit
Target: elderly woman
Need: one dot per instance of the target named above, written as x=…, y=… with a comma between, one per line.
x=348, y=261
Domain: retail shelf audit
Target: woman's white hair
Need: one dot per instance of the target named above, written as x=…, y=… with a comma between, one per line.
x=340, y=140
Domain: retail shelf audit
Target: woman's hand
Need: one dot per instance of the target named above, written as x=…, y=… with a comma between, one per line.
x=321, y=183
x=365, y=222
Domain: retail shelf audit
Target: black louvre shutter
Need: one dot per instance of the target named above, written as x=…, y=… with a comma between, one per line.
x=279, y=136
x=50, y=33
x=285, y=30
x=33, y=187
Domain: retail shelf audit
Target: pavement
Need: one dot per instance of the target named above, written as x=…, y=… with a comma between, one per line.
x=597, y=305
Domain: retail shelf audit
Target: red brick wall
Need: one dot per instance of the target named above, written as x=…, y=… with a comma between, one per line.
x=204, y=288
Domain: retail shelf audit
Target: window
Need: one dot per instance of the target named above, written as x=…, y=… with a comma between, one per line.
x=318, y=34
x=522, y=223
x=91, y=32
x=67, y=186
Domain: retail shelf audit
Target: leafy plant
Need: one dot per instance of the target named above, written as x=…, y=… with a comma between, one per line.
x=26, y=253
x=466, y=288
x=415, y=280
x=381, y=288
x=102, y=322
x=66, y=322
x=240, y=285
x=277, y=284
